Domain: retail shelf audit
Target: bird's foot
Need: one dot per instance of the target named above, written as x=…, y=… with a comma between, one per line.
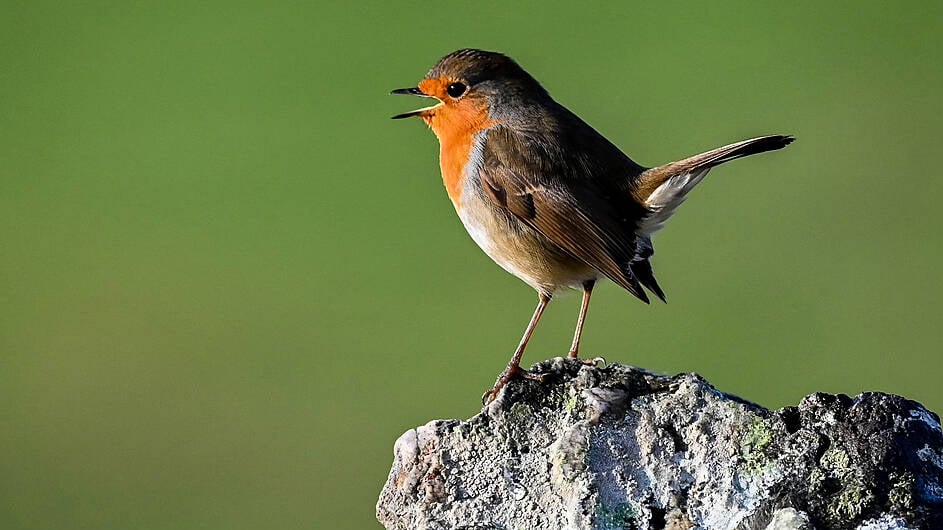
x=595, y=361
x=508, y=374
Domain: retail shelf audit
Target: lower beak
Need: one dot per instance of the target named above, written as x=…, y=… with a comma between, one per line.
x=413, y=92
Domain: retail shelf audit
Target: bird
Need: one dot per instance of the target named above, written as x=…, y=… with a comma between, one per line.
x=546, y=196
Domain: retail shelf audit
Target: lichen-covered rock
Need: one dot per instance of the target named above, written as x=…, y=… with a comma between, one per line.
x=617, y=447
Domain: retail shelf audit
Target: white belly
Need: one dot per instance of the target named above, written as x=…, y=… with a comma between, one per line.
x=522, y=251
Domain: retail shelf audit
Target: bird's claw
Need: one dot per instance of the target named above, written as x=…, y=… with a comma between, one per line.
x=503, y=379
x=595, y=361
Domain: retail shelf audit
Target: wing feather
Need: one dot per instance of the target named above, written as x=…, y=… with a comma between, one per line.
x=577, y=218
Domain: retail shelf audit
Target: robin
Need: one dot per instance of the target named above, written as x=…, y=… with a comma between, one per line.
x=547, y=197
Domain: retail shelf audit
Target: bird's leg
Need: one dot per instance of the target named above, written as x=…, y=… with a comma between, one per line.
x=514, y=365
x=575, y=348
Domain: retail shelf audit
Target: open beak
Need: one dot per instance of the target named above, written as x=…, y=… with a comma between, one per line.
x=413, y=92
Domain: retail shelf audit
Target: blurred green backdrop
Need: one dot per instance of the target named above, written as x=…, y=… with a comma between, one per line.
x=228, y=281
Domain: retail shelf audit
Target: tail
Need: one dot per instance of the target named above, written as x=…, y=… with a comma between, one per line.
x=642, y=267
x=662, y=189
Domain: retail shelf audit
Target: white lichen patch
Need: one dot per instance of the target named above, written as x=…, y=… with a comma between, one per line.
x=927, y=418
x=886, y=522
x=930, y=455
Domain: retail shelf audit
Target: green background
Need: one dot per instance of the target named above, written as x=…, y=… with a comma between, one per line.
x=228, y=282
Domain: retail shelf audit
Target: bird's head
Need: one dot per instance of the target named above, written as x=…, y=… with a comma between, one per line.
x=473, y=88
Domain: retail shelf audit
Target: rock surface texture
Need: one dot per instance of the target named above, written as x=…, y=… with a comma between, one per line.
x=617, y=447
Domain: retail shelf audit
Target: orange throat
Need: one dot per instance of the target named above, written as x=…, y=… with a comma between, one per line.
x=456, y=127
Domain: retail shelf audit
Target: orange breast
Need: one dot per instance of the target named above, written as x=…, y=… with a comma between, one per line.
x=454, y=150
x=455, y=123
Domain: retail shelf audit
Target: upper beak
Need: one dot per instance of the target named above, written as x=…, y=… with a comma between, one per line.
x=412, y=92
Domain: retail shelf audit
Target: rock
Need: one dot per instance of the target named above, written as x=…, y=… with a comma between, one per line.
x=618, y=447
x=789, y=519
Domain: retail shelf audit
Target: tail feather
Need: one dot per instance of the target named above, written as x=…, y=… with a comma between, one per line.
x=642, y=267
x=643, y=271
x=662, y=189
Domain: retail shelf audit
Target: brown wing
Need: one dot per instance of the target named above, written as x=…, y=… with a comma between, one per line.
x=588, y=218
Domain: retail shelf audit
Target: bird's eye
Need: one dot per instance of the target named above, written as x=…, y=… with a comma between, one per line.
x=456, y=89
